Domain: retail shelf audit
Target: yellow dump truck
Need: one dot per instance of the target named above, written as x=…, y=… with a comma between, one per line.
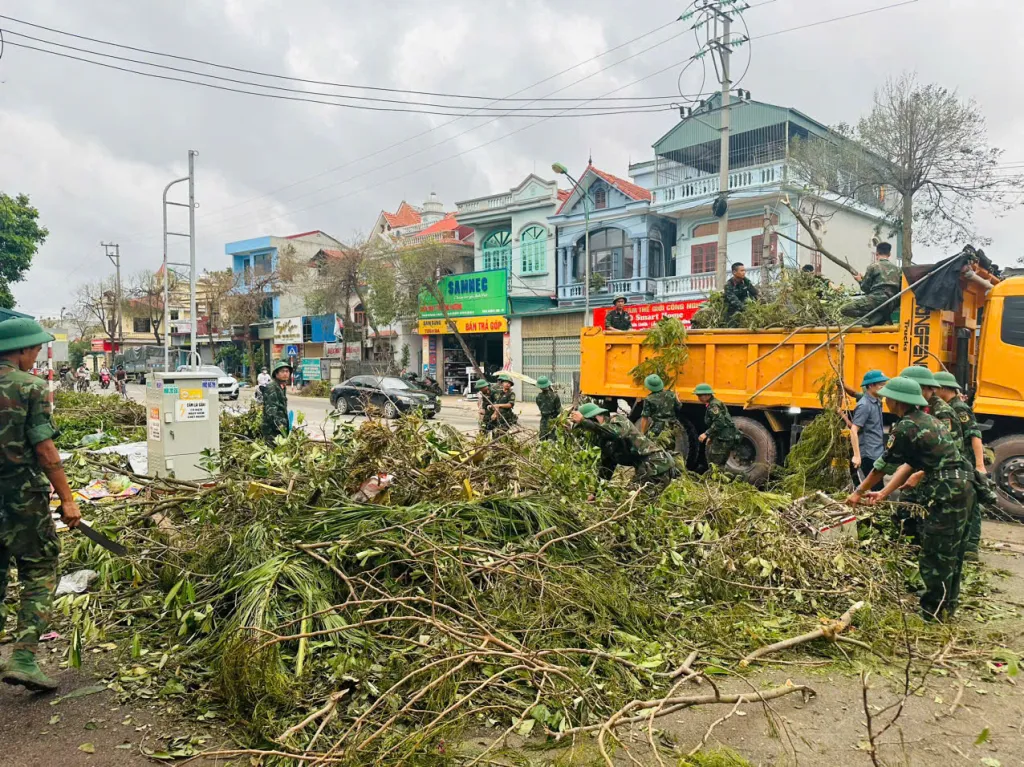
x=982, y=344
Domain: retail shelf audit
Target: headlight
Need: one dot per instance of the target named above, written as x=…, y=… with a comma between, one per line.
x=406, y=400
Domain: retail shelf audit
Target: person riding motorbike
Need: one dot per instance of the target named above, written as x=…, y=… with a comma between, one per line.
x=83, y=377
x=104, y=377
x=121, y=376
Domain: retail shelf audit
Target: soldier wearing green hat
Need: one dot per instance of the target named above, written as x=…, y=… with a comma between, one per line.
x=549, y=405
x=618, y=318
x=927, y=457
x=29, y=465
x=483, y=409
x=622, y=444
x=503, y=403
x=720, y=435
x=275, y=402
x=659, y=419
x=937, y=407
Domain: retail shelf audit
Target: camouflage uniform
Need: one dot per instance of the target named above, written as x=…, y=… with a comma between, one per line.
x=27, y=532
x=947, y=492
x=550, y=407
x=622, y=444
x=723, y=436
x=736, y=296
x=660, y=407
x=618, y=319
x=485, y=412
x=882, y=281
x=275, y=410
x=986, y=496
x=506, y=417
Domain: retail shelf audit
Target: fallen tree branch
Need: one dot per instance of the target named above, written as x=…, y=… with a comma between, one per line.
x=828, y=631
x=819, y=246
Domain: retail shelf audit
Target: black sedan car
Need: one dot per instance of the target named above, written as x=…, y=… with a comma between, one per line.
x=386, y=395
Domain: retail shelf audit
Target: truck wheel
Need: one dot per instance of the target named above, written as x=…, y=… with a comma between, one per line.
x=755, y=456
x=686, y=438
x=1007, y=472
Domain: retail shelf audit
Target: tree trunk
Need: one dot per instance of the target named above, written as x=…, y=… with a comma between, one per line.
x=435, y=292
x=250, y=358
x=908, y=229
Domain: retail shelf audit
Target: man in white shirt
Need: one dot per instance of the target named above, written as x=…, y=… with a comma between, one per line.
x=263, y=378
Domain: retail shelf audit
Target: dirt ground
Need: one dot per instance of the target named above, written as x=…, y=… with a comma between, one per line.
x=72, y=729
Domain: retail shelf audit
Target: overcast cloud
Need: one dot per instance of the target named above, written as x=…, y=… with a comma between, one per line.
x=94, y=147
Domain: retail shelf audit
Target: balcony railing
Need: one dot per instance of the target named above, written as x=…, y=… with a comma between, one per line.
x=486, y=203
x=630, y=286
x=706, y=186
x=685, y=284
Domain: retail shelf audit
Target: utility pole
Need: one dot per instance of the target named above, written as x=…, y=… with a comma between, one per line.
x=721, y=44
x=766, y=244
x=191, y=235
x=113, y=252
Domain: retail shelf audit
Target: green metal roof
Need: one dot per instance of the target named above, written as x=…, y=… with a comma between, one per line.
x=7, y=314
x=705, y=126
x=531, y=304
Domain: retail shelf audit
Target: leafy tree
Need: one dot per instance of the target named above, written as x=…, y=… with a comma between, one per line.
x=20, y=238
x=77, y=351
x=929, y=147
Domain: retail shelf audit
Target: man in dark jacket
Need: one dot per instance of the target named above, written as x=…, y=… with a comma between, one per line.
x=738, y=290
x=549, y=405
x=621, y=443
x=275, y=403
x=882, y=280
x=618, y=318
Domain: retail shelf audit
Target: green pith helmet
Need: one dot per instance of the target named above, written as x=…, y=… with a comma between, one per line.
x=543, y=382
x=919, y=373
x=653, y=383
x=280, y=364
x=617, y=297
x=704, y=389
x=589, y=410
x=504, y=377
x=947, y=380
x=481, y=384
x=22, y=333
x=905, y=390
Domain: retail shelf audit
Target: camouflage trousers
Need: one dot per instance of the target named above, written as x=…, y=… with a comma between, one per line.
x=547, y=431
x=28, y=537
x=665, y=435
x=986, y=496
x=718, y=452
x=656, y=475
x=862, y=305
x=943, y=538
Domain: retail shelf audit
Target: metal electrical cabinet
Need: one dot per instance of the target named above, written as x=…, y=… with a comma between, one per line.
x=183, y=420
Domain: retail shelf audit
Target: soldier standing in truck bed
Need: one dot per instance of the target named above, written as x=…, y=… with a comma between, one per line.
x=880, y=282
x=618, y=318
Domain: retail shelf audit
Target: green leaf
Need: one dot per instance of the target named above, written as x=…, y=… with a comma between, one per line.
x=526, y=727
x=173, y=593
x=88, y=748
x=982, y=737
x=55, y=719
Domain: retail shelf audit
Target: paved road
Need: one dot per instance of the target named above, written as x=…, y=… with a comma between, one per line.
x=454, y=410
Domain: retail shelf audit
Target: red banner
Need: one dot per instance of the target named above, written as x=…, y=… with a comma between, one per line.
x=645, y=315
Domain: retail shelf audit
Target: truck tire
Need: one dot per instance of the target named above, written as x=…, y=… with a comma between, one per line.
x=1007, y=472
x=686, y=438
x=754, y=458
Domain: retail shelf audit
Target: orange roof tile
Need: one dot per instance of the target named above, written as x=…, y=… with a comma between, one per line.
x=631, y=190
x=446, y=224
x=407, y=215
x=564, y=194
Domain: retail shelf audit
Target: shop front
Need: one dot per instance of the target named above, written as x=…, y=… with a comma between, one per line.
x=477, y=304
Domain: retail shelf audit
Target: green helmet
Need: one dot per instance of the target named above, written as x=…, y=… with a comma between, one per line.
x=22, y=333
x=481, y=384
x=589, y=410
x=905, y=390
x=617, y=297
x=704, y=389
x=947, y=380
x=280, y=364
x=653, y=383
x=504, y=377
x=543, y=382
x=919, y=373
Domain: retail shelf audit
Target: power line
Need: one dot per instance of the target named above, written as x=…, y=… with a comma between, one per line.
x=837, y=18
x=509, y=112
x=290, y=78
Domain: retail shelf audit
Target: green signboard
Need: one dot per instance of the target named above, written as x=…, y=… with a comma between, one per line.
x=469, y=295
x=310, y=367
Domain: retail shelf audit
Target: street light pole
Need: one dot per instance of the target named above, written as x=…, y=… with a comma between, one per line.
x=561, y=169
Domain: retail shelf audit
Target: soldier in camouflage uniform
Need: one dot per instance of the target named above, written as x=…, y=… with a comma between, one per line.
x=275, y=403
x=720, y=435
x=29, y=464
x=659, y=419
x=503, y=403
x=622, y=444
x=618, y=318
x=549, y=405
x=880, y=282
x=483, y=407
x=974, y=454
x=738, y=290
x=927, y=457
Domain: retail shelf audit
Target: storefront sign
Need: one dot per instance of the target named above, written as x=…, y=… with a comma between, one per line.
x=464, y=325
x=334, y=350
x=288, y=330
x=354, y=351
x=644, y=316
x=468, y=295
x=310, y=368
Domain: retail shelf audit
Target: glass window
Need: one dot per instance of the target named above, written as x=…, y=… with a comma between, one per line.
x=601, y=199
x=757, y=249
x=703, y=258
x=359, y=315
x=394, y=383
x=174, y=314
x=497, y=250
x=533, y=247
x=140, y=324
x=611, y=255
x=1012, y=330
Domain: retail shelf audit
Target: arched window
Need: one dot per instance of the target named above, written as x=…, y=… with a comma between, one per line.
x=497, y=250
x=359, y=315
x=533, y=250
x=611, y=255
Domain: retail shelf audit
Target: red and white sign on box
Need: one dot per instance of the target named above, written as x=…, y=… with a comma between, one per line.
x=645, y=315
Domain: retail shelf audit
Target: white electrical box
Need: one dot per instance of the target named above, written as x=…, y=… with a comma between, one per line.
x=182, y=420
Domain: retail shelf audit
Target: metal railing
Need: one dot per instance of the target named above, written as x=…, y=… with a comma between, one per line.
x=703, y=186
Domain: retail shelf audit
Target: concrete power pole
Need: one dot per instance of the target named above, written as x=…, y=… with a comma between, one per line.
x=722, y=257
x=766, y=244
x=113, y=252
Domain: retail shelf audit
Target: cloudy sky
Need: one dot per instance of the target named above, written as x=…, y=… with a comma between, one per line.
x=93, y=147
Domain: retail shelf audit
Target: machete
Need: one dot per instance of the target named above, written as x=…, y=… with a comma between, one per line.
x=97, y=537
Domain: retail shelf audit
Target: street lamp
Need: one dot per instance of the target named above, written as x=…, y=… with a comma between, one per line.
x=562, y=170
